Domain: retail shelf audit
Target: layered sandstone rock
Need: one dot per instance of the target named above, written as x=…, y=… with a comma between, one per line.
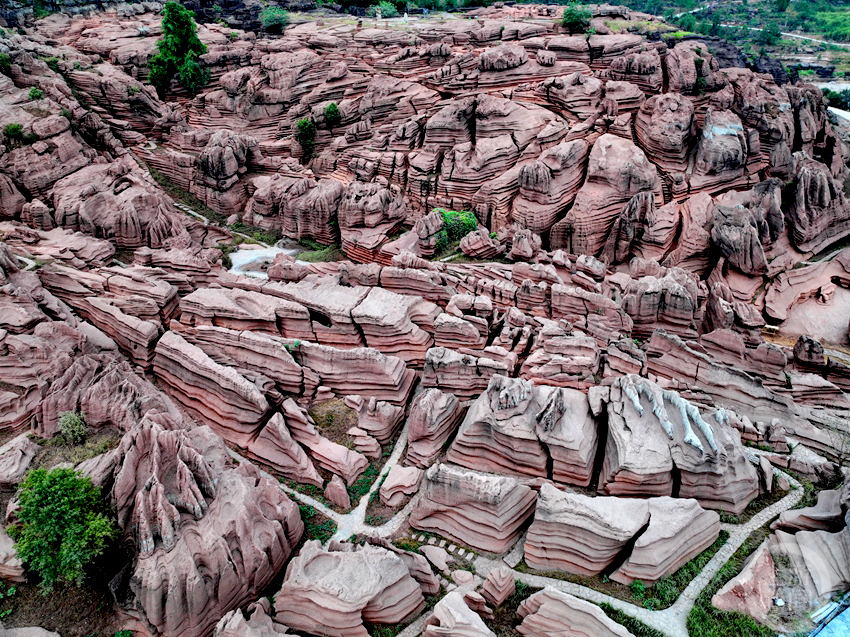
x=751, y=591
x=580, y=534
x=484, y=511
x=433, y=417
x=550, y=611
x=498, y=586
x=178, y=495
x=333, y=592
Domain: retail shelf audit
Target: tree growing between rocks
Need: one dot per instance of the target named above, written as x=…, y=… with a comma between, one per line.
x=305, y=135
x=576, y=19
x=177, y=52
x=274, y=19
x=62, y=525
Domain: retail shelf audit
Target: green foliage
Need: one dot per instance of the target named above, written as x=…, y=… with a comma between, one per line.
x=769, y=35
x=688, y=22
x=305, y=135
x=388, y=10
x=35, y=93
x=636, y=627
x=52, y=63
x=177, y=51
x=456, y=225
x=13, y=131
x=638, y=589
x=274, y=19
x=332, y=115
x=62, y=525
x=73, y=428
x=782, y=5
x=192, y=76
x=363, y=483
x=233, y=36
x=316, y=526
x=576, y=19
x=5, y=63
x=834, y=25
x=124, y=633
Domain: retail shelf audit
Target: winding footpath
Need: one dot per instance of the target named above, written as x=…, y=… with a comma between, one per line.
x=671, y=621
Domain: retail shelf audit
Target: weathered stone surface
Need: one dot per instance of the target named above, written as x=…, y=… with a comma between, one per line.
x=16, y=456
x=549, y=612
x=452, y=617
x=400, y=483
x=484, y=511
x=498, y=586
x=580, y=534
x=751, y=591
x=333, y=592
x=433, y=417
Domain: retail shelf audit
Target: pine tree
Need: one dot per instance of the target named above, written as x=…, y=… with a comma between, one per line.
x=177, y=52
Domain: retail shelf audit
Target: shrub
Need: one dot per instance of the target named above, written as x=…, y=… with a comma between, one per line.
x=388, y=10
x=305, y=134
x=13, y=131
x=688, y=22
x=35, y=93
x=177, y=51
x=576, y=19
x=133, y=90
x=233, y=36
x=62, y=526
x=274, y=19
x=72, y=427
x=332, y=115
x=5, y=63
x=456, y=225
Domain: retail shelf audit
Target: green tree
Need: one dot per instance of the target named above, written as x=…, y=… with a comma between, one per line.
x=688, y=22
x=332, y=115
x=782, y=5
x=274, y=19
x=35, y=93
x=769, y=35
x=305, y=134
x=62, y=525
x=5, y=63
x=576, y=19
x=177, y=51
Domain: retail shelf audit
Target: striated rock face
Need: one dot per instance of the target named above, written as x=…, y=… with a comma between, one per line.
x=333, y=592
x=550, y=612
x=499, y=586
x=178, y=496
x=484, y=511
x=433, y=417
x=679, y=529
x=516, y=427
x=579, y=534
x=652, y=430
x=751, y=591
x=254, y=621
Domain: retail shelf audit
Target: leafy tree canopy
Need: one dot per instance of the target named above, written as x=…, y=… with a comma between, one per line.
x=62, y=525
x=177, y=51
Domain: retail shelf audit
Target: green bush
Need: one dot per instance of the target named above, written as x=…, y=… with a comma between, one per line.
x=388, y=10
x=35, y=93
x=688, y=22
x=62, y=526
x=73, y=428
x=274, y=19
x=177, y=52
x=576, y=19
x=5, y=63
x=13, y=131
x=305, y=135
x=456, y=225
x=332, y=115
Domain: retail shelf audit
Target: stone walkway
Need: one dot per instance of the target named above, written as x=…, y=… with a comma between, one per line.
x=671, y=621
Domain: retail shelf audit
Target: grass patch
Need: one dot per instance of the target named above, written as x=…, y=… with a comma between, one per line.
x=56, y=450
x=706, y=621
x=761, y=502
x=661, y=595
x=316, y=525
x=317, y=253
x=178, y=194
x=362, y=485
x=260, y=235
x=636, y=627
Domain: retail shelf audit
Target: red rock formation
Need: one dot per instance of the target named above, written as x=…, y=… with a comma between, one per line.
x=333, y=592
x=484, y=511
